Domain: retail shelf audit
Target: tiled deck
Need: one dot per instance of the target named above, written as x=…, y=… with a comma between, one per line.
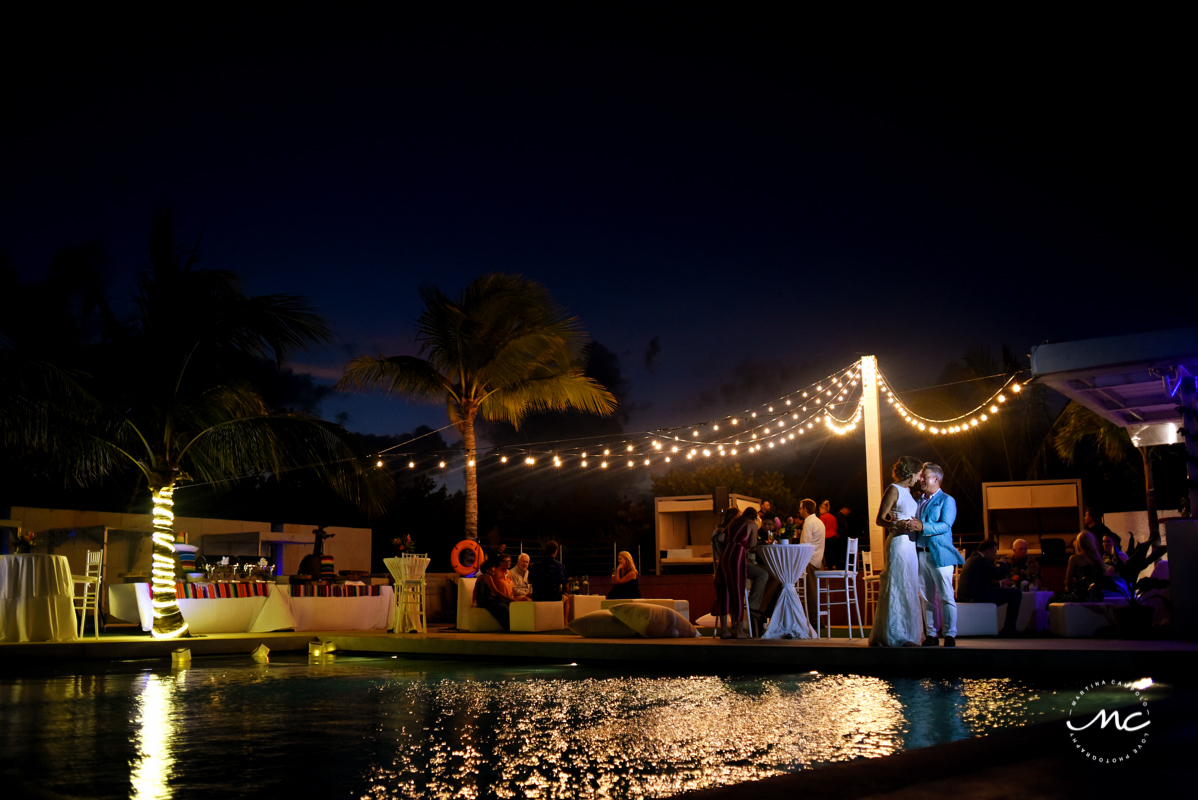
x=984, y=656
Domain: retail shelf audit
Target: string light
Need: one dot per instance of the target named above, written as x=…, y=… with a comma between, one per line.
x=961, y=423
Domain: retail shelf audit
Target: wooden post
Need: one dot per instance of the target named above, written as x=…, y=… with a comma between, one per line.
x=1154, y=528
x=873, y=460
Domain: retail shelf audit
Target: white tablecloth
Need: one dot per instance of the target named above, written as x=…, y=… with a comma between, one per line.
x=342, y=613
x=277, y=612
x=786, y=562
x=37, y=599
x=1033, y=612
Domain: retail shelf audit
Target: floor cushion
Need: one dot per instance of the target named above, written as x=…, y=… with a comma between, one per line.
x=601, y=625
x=654, y=622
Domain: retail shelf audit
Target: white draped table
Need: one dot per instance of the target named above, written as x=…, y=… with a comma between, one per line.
x=786, y=562
x=37, y=599
x=278, y=611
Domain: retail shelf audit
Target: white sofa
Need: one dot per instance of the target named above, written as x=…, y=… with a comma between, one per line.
x=528, y=617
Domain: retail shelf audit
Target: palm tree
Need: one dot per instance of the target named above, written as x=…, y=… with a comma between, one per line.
x=157, y=401
x=501, y=349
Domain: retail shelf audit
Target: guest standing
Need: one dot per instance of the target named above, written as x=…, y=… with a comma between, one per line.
x=729, y=608
x=548, y=579
x=834, y=547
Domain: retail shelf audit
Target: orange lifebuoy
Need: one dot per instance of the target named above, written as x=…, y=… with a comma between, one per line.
x=466, y=558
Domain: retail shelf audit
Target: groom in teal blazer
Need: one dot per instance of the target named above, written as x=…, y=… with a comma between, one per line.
x=937, y=556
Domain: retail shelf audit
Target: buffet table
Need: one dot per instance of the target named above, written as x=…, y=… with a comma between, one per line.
x=786, y=562
x=37, y=599
x=277, y=610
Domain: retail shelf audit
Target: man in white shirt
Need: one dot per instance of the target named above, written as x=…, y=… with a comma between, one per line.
x=519, y=576
x=813, y=531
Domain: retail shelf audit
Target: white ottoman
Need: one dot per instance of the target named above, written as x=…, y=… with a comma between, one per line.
x=977, y=619
x=536, y=616
x=583, y=604
x=1081, y=619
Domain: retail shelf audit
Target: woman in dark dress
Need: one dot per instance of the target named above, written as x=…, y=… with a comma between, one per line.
x=729, y=607
x=1084, y=572
x=624, y=581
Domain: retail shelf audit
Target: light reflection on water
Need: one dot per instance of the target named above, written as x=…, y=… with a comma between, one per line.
x=380, y=728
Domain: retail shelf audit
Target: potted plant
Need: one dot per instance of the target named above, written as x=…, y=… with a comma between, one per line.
x=1134, y=619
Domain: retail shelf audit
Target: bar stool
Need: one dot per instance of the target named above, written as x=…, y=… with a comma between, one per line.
x=873, y=585
x=823, y=591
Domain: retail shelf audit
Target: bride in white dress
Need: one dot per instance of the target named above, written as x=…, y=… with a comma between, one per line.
x=898, y=621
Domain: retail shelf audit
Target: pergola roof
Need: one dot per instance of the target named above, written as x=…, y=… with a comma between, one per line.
x=1129, y=380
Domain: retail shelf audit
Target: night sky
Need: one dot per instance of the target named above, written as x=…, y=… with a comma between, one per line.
x=723, y=198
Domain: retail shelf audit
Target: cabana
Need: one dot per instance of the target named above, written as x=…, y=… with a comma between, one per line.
x=1143, y=382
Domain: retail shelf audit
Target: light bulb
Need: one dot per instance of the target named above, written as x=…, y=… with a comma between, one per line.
x=503, y=459
x=1002, y=398
x=442, y=463
x=603, y=465
x=411, y=465
x=584, y=463
x=380, y=463
x=993, y=409
x=1016, y=388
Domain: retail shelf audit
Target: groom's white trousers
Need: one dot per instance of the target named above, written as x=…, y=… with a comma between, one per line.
x=936, y=592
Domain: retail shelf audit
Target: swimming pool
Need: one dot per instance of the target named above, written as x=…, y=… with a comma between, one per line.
x=374, y=727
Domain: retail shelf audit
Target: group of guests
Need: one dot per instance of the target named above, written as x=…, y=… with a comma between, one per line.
x=499, y=584
x=734, y=548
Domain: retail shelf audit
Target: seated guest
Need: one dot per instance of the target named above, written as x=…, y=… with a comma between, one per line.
x=1112, y=552
x=504, y=574
x=519, y=575
x=548, y=579
x=984, y=581
x=624, y=586
x=1023, y=567
x=1085, y=569
x=489, y=593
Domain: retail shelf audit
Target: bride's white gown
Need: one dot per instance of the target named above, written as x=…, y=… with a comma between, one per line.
x=899, y=618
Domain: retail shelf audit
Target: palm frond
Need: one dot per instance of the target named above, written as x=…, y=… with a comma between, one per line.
x=280, y=442
x=1078, y=423
x=571, y=390
x=407, y=376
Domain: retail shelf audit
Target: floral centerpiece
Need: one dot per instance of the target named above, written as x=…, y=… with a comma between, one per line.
x=25, y=541
x=402, y=545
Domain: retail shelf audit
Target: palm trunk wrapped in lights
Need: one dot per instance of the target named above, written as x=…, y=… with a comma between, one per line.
x=168, y=621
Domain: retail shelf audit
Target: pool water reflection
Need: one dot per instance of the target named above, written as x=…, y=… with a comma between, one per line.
x=383, y=728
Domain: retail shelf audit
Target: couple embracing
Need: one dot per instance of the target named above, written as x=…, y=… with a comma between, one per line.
x=920, y=557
